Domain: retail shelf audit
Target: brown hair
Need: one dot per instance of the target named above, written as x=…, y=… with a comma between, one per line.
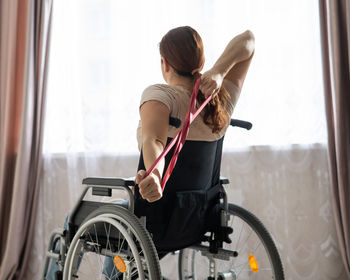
x=182, y=48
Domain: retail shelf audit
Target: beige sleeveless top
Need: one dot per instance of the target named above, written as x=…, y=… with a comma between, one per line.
x=177, y=99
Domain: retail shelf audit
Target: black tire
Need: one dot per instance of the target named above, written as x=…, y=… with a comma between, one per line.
x=248, y=228
x=108, y=235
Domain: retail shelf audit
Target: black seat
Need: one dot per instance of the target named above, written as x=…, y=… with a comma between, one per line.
x=181, y=217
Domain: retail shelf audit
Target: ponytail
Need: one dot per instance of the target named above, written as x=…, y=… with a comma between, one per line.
x=215, y=114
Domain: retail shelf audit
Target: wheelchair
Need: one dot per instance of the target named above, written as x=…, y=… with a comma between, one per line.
x=220, y=240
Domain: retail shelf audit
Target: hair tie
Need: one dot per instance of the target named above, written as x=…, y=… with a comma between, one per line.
x=195, y=71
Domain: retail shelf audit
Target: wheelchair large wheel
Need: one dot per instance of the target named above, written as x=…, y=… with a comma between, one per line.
x=111, y=244
x=251, y=255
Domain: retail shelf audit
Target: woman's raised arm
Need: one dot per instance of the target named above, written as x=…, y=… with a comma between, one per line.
x=232, y=65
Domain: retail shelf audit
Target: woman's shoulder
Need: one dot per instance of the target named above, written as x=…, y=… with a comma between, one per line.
x=160, y=88
x=160, y=92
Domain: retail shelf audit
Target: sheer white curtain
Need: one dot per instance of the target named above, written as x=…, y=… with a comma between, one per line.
x=105, y=52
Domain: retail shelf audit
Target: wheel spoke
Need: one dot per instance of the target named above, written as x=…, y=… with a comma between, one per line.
x=97, y=250
x=107, y=236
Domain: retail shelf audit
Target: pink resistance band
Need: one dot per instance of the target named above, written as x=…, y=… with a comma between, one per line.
x=180, y=137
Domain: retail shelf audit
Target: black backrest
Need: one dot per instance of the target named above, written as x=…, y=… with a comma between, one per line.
x=197, y=167
x=181, y=217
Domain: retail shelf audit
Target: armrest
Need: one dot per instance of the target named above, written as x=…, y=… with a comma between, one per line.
x=98, y=181
x=103, y=187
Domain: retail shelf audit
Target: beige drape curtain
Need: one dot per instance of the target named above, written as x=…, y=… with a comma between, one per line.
x=24, y=33
x=335, y=32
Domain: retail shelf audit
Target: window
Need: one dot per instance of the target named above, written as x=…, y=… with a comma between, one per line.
x=104, y=53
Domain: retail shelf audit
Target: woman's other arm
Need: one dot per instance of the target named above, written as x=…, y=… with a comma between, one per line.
x=155, y=123
x=233, y=64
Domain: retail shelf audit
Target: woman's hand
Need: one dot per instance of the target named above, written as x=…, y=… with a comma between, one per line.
x=211, y=83
x=150, y=186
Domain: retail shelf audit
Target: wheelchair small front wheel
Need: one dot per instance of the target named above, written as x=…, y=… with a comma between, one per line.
x=251, y=255
x=111, y=243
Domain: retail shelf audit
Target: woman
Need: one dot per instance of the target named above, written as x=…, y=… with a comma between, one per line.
x=182, y=59
x=180, y=216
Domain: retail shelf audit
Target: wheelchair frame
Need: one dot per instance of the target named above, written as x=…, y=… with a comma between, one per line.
x=104, y=187
x=212, y=251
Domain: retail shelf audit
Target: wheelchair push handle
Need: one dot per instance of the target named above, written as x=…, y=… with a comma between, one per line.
x=175, y=122
x=241, y=124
